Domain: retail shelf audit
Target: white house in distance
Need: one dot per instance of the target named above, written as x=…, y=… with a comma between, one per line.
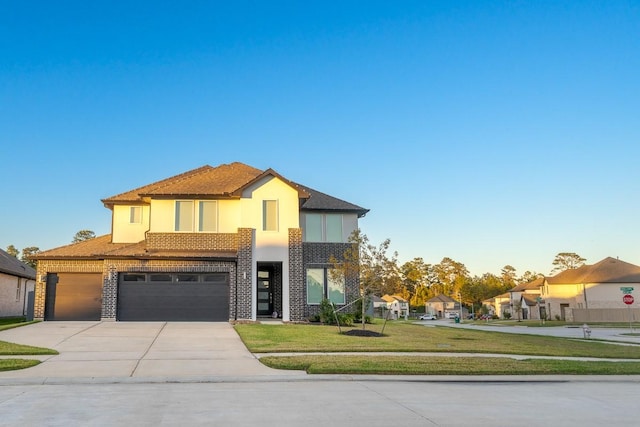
x=527, y=295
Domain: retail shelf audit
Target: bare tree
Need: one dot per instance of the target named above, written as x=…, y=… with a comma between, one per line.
x=375, y=269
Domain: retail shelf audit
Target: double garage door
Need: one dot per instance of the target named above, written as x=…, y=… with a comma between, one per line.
x=141, y=296
x=173, y=296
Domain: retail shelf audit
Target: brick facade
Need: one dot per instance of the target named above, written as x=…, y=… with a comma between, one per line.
x=244, y=288
x=297, y=297
x=192, y=241
x=318, y=255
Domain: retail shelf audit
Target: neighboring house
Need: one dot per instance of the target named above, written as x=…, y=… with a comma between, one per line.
x=593, y=292
x=222, y=243
x=442, y=306
x=525, y=295
x=17, y=279
x=398, y=306
x=502, y=304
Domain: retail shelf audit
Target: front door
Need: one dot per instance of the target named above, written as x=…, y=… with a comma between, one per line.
x=265, y=291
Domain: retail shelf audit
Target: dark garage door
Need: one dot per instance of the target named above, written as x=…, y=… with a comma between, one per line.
x=173, y=297
x=74, y=296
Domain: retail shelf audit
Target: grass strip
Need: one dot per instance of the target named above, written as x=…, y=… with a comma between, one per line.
x=14, y=364
x=410, y=337
x=12, y=349
x=418, y=365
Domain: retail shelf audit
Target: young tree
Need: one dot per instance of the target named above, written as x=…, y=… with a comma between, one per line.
x=27, y=253
x=83, y=235
x=371, y=264
x=566, y=261
x=13, y=251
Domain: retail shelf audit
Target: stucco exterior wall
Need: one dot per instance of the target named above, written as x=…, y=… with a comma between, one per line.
x=123, y=230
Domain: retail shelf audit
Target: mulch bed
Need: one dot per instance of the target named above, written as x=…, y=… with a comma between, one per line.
x=362, y=333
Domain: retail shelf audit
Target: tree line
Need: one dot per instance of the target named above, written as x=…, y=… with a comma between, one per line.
x=25, y=255
x=417, y=281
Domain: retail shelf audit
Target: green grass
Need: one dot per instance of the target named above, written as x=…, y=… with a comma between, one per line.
x=13, y=364
x=12, y=349
x=14, y=322
x=409, y=337
x=417, y=365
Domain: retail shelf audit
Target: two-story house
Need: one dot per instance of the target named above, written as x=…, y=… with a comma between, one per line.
x=214, y=244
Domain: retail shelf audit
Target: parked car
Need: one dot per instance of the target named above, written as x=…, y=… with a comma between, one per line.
x=451, y=314
x=428, y=317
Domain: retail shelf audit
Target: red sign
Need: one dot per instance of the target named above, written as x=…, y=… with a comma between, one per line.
x=627, y=299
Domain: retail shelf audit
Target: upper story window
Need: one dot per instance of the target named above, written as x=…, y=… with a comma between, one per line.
x=270, y=215
x=135, y=215
x=323, y=228
x=206, y=216
x=184, y=215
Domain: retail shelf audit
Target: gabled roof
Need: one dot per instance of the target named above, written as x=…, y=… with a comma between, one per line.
x=534, y=284
x=205, y=181
x=530, y=300
x=441, y=298
x=609, y=270
x=227, y=180
x=101, y=248
x=14, y=267
x=393, y=298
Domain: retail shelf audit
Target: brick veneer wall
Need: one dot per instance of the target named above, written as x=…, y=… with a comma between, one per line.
x=297, y=296
x=318, y=255
x=110, y=270
x=192, y=241
x=246, y=244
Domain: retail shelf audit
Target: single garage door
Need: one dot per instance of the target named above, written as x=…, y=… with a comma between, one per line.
x=173, y=297
x=74, y=296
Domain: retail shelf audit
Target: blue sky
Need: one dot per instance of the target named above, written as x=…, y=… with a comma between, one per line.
x=492, y=133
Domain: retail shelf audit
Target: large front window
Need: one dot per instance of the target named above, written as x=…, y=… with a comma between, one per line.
x=321, y=284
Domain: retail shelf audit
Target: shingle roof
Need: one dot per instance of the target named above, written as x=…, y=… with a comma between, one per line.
x=13, y=266
x=101, y=247
x=227, y=181
x=609, y=270
x=441, y=298
x=534, y=284
x=203, y=181
x=530, y=299
x=324, y=202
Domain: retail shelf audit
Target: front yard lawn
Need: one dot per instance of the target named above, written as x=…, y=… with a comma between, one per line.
x=410, y=337
x=427, y=365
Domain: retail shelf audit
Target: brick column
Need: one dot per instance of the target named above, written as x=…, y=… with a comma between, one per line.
x=244, y=274
x=109, y=292
x=297, y=295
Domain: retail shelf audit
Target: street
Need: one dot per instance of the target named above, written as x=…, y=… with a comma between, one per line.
x=325, y=402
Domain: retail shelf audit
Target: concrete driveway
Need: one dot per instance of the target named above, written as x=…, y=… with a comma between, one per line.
x=137, y=350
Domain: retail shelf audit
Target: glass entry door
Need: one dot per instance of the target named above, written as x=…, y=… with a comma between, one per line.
x=265, y=291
